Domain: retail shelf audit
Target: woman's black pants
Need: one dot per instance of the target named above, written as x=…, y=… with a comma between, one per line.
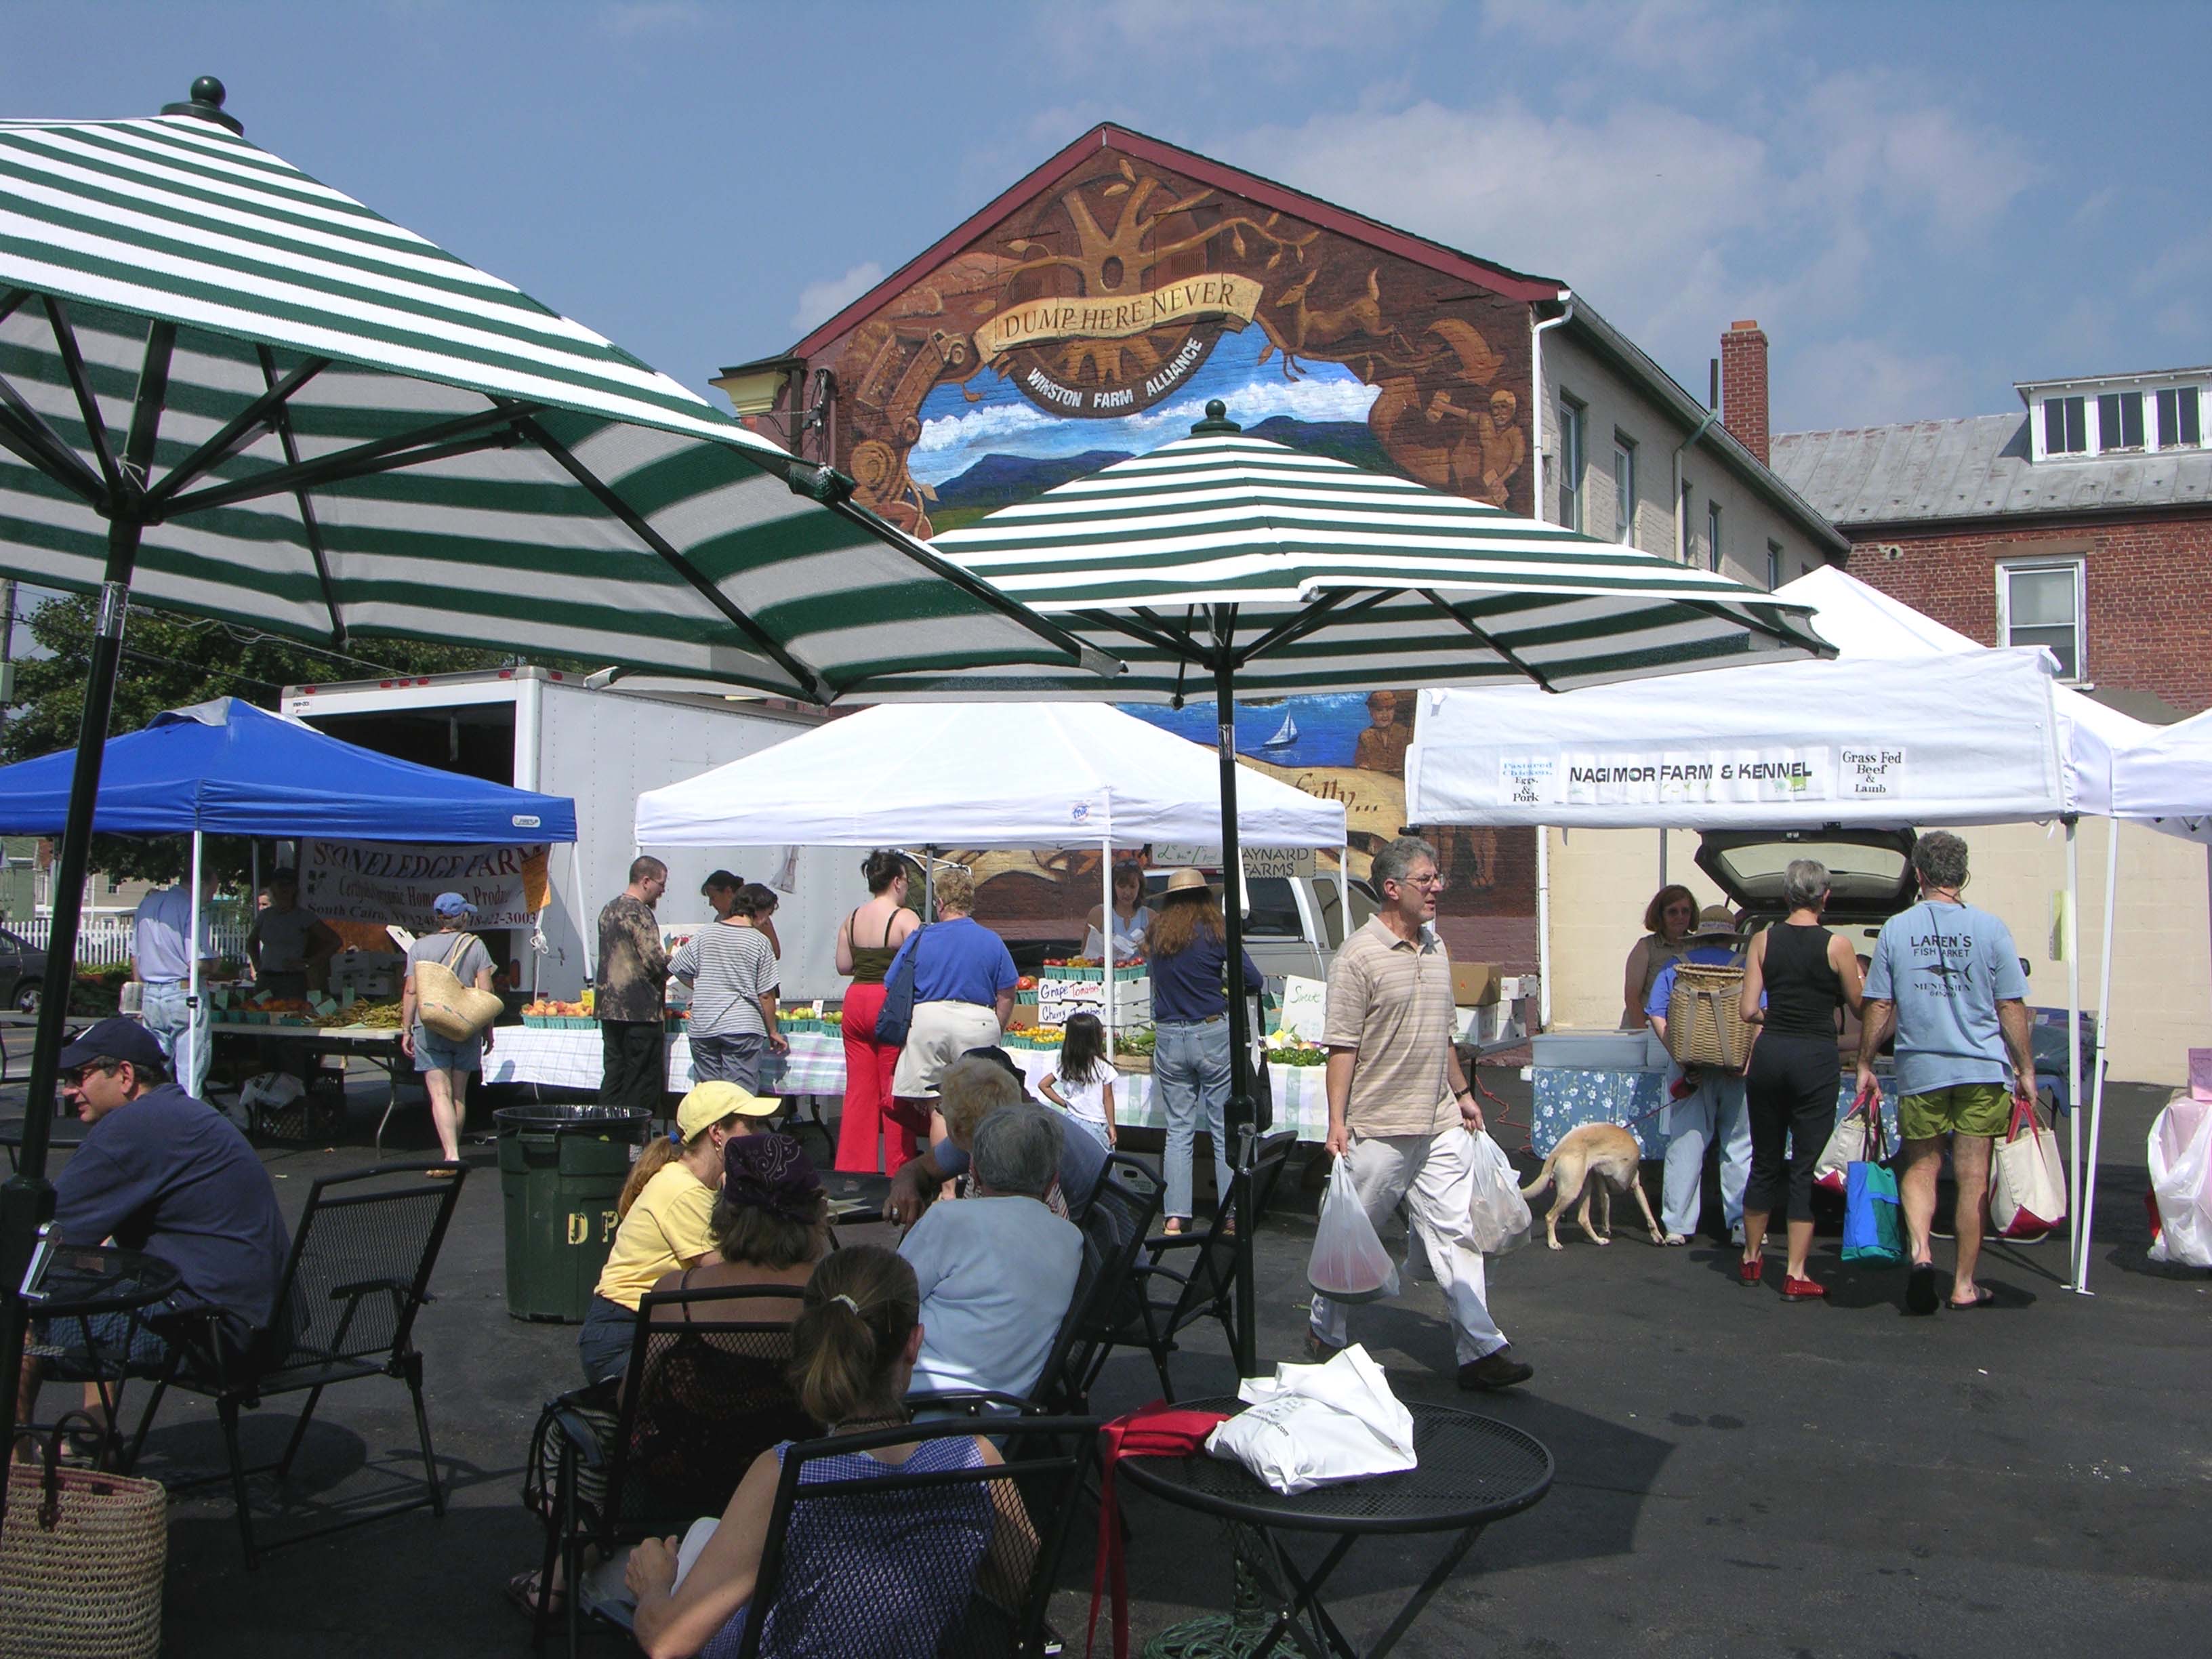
x=1789, y=1089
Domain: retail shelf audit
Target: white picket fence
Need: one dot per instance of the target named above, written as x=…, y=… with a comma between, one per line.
x=105, y=941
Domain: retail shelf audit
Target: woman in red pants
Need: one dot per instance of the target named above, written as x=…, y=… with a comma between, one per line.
x=866, y=941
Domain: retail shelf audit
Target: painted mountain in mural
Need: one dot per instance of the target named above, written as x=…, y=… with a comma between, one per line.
x=1345, y=440
x=997, y=480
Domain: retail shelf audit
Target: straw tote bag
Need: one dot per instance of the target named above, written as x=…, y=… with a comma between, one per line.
x=454, y=1010
x=81, y=1557
x=1705, y=1016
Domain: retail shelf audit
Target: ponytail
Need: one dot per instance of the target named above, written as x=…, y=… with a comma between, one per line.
x=861, y=1306
x=658, y=1153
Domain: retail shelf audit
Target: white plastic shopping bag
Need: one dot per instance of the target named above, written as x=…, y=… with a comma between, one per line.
x=1349, y=1263
x=1496, y=1213
x=1309, y=1424
x=2027, y=1184
x=1854, y=1134
x=2181, y=1182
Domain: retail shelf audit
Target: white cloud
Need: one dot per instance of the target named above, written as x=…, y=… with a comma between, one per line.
x=1854, y=381
x=819, y=302
x=980, y=428
x=1694, y=39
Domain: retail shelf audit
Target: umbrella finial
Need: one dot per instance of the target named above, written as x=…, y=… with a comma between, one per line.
x=1217, y=421
x=205, y=101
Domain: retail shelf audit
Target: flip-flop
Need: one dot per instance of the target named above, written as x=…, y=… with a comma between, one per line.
x=1983, y=1296
x=1920, y=1296
x=522, y=1590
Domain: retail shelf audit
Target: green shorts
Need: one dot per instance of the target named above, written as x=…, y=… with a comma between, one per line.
x=1969, y=1108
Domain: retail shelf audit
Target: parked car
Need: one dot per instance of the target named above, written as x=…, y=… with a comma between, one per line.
x=22, y=972
x=1869, y=874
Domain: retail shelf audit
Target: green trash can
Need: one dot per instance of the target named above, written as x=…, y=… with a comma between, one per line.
x=561, y=1169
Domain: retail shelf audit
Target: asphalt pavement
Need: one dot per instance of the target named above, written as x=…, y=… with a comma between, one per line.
x=1736, y=1474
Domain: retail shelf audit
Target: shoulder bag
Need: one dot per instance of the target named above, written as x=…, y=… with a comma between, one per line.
x=454, y=1010
x=82, y=1558
x=897, y=1014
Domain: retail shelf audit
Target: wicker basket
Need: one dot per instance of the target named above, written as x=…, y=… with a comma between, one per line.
x=82, y=1558
x=1705, y=1017
x=454, y=1010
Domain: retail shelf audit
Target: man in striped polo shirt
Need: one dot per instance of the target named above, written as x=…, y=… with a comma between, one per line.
x=1398, y=1098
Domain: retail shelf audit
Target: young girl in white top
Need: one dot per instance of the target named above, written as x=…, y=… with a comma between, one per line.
x=1083, y=1083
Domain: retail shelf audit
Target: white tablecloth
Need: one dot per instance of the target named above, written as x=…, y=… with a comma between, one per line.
x=569, y=1058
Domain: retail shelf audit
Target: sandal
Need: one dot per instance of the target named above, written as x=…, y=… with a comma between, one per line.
x=522, y=1589
x=1174, y=1228
x=1983, y=1296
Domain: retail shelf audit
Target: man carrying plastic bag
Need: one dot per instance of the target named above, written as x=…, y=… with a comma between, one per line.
x=1398, y=1105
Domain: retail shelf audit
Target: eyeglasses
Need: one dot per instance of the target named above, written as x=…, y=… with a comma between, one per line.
x=1421, y=881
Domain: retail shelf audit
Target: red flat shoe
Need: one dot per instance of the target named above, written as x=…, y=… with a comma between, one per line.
x=1748, y=1273
x=1802, y=1290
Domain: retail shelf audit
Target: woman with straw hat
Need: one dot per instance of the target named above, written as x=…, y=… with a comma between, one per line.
x=1187, y=948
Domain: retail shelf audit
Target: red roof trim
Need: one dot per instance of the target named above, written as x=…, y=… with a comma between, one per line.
x=1498, y=279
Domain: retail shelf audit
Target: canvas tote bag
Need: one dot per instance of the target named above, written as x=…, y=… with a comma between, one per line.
x=82, y=1558
x=454, y=1010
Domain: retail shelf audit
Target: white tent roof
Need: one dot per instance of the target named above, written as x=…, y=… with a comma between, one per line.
x=2166, y=777
x=981, y=774
x=1964, y=739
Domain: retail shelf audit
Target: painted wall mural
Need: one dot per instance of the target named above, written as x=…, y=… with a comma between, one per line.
x=1093, y=322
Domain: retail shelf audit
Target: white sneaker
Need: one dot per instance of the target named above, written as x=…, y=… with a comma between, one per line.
x=1735, y=1234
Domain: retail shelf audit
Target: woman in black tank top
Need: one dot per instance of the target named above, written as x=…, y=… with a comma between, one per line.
x=1798, y=975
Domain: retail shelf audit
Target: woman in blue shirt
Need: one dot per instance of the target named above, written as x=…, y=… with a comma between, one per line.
x=1187, y=948
x=964, y=993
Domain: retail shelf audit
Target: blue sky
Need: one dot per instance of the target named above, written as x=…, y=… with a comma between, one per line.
x=1921, y=203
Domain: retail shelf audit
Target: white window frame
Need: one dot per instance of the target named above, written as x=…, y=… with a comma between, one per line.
x=2038, y=432
x=1623, y=489
x=2146, y=413
x=2153, y=438
x=1574, y=462
x=2074, y=562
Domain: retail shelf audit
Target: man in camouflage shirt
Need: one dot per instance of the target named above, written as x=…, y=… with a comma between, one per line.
x=632, y=987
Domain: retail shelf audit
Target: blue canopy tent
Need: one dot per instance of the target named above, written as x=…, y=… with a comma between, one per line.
x=225, y=768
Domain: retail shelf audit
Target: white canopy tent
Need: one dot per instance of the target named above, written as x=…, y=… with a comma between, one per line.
x=986, y=775
x=1920, y=738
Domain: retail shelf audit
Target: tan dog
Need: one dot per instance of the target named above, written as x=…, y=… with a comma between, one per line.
x=1603, y=1151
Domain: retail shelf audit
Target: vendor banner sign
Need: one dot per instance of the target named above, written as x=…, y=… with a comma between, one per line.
x=384, y=881
x=1655, y=777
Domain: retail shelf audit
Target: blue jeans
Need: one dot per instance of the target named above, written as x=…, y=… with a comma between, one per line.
x=733, y=1057
x=1190, y=1072
x=165, y=1011
x=1714, y=1111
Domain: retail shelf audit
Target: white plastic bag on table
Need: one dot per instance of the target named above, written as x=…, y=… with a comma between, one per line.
x=2027, y=1181
x=1309, y=1424
x=1349, y=1263
x=2181, y=1182
x=1496, y=1213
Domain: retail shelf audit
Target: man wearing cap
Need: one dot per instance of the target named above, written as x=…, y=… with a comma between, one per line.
x=661, y=1216
x=1704, y=1103
x=161, y=961
x=161, y=1172
x=1397, y=1098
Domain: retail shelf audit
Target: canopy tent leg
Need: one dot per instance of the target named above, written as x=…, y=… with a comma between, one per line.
x=2074, y=1034
x=2081, y=1216
x=1239, y=1117
x=1106, y=919
x=193, y=990
x=1543, y=928
x=587, y=933
x=928, y=884
x=27, y=1202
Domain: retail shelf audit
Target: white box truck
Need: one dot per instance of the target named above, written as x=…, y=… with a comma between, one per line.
x=541, y=729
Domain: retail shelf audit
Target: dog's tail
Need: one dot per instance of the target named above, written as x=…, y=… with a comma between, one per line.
x=1543, y=1176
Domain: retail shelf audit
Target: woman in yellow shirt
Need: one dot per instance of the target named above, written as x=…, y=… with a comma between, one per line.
x=665, y=1207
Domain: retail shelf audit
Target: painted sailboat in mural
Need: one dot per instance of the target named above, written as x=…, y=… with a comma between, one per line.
x=1286, y=734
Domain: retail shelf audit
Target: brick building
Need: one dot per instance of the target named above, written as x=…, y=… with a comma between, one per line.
x=1088, y=312
x=2082, y=523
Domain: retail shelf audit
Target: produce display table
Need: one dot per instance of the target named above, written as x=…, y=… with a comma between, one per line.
x=569, y=1058
x=1567, y=1098
x=379, y=1045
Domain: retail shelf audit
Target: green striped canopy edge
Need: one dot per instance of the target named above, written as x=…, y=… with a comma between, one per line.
x=365, y=435
x=1342, y=578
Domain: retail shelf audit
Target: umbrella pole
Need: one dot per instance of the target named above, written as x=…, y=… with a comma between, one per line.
x=1239, y=1117
x=27, y=1202
x=192, y=989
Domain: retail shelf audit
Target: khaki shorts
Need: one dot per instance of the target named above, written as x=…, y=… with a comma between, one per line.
x=1969, y=1108
x=938, y=1034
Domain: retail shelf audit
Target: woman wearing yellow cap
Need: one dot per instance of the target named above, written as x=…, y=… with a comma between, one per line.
x=667, y=1207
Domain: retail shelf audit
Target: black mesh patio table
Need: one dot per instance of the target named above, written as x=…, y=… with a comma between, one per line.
x=83, y=1282
x=1472, y=1471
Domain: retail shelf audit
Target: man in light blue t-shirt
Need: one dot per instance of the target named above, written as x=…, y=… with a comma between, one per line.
x=1945, y=976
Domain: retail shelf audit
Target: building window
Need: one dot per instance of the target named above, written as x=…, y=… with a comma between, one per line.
x=1712, y=535
x=1773, y=566
x=2039, y=602
x=1572, y=459
x=1623, y=489
x=2120, y=421
x=2065, y=426
x=2178, y=418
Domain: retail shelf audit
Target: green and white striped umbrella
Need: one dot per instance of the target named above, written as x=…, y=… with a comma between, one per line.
x=1321, y=576
x=361, y=435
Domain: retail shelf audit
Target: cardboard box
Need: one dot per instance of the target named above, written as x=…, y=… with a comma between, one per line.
x=1475, y=984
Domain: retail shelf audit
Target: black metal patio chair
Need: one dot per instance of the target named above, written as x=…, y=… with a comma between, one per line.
x=1122, y=1208
x=1163, y=1301
x=358, y=1273
x=647, y=1454
x=882, y=1560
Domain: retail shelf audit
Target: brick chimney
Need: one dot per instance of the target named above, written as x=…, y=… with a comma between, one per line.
x=1743, y=385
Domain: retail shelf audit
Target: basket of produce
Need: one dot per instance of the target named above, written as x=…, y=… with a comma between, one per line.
x=1133, y=1049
